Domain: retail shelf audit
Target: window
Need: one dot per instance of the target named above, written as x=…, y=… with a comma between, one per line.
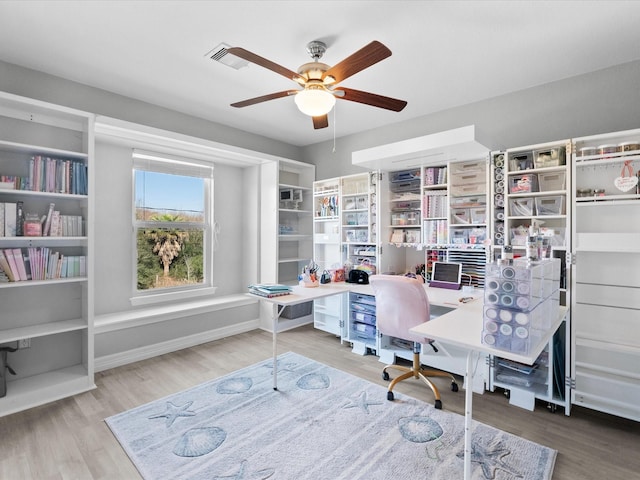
x=172, y=222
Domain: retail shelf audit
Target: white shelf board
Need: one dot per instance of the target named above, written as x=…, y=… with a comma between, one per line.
x=36, y=283
x=47, y=387
x=608, y=242
x=40, y=330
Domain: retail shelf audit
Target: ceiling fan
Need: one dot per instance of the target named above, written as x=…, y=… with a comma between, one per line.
x=318, y=81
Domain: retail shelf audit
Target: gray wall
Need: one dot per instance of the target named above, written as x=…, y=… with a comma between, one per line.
x=600, y=102
x=31, y=83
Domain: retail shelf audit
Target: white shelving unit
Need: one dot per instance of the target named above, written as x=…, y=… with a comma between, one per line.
x=328, y=312
x=531, y=187
x=295, y=214
x=605, y=346
x=54, y=316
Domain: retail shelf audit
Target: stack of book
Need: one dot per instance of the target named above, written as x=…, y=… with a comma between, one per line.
x=269, y=290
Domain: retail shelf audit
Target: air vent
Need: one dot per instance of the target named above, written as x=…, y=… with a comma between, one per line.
x=221, y=55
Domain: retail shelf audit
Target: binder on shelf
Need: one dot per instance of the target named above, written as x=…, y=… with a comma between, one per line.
x=4, y=265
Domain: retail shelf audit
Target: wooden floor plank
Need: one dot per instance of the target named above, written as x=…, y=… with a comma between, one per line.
x=69, y=438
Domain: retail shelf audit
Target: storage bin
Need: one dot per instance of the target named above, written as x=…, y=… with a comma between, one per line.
x=551, y=205
x=363, y=317
x=527, y=183
x=405, y=186
x=477, y=235
x=404, y=175
x=478, y=215
x=520, y=161
x=350, y=219
x=521, y=207
x=550, y=181
x=459, y=236
x=463, y=190
x=460, y=216
x=465, y=167
x=296, y=311
x=467, y=178
x=363, y=331
x=549, y=157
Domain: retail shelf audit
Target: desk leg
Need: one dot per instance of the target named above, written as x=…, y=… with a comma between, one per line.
x=468, y=409
x=276, y=315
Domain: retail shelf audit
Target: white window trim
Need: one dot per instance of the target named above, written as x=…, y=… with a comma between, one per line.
x=145, y=297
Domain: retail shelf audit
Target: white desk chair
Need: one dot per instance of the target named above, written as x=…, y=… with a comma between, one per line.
x=401, y=304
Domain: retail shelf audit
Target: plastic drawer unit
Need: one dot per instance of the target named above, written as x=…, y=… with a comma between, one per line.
x=362, y=323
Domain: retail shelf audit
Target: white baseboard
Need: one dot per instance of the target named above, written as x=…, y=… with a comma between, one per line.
x=123, y=358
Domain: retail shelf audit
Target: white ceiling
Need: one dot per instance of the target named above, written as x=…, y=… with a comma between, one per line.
x=445, y=53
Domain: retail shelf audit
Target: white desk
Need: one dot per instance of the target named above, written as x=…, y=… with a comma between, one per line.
x=298, y=296
x=463, y=327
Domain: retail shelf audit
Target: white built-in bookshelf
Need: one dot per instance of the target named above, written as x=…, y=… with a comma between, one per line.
x=46, y=154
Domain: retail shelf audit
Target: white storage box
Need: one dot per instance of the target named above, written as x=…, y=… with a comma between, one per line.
x=521, y=207
x=551, y=205
x=551, y=181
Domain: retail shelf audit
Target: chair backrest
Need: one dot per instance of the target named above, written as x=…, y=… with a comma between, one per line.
x=401, y=304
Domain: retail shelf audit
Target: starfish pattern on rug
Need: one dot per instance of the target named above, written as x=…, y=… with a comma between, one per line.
x=282, y=367
x=490, y=459
x=243, y=474
x=362, y=403
x=174, y=411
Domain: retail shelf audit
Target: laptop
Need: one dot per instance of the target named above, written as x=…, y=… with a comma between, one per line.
x=446, y=275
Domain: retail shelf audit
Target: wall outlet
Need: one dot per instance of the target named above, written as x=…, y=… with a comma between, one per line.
x=24, y=343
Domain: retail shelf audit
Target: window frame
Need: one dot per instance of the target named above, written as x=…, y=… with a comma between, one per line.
x=174, y=165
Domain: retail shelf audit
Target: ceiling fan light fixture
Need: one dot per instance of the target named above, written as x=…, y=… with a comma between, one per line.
x=315, y=100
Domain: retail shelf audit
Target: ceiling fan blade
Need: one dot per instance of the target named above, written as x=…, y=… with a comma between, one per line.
x=363, y=58
x=263, y=98
x=321, y=122
x=263, y=62
x=372, y=99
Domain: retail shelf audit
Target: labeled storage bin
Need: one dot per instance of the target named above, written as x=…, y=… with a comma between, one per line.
x=549, y=157
x=463, y=190
x=460, y=216
x=459, y=236
x=363, y=317
x=404, y=175
x=520, y=161
x=477, y=235
x=521, y=207
x=551, y=205
x=466, y=167
x=363, y=331
x=478, y=215
x=467, y=178
x=526, y=183
x=551, y=181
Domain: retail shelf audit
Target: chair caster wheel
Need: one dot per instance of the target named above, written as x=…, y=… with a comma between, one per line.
x=390, y=396
x=385, y=376
x=454, y=387
x=438, y=405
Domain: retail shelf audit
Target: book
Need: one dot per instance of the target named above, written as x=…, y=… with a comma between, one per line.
x=269, y=290
x=12, y=264
x=4, y=265
x=1, y=219
x=22, y=271
x=47, y=222
x=20, y=219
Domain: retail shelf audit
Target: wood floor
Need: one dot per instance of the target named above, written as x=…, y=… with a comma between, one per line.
x=68, y=439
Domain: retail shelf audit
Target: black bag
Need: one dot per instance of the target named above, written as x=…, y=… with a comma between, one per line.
x=358, y=276
x=325, y=277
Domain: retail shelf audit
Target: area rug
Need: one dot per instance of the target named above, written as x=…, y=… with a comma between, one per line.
x=321, y=424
